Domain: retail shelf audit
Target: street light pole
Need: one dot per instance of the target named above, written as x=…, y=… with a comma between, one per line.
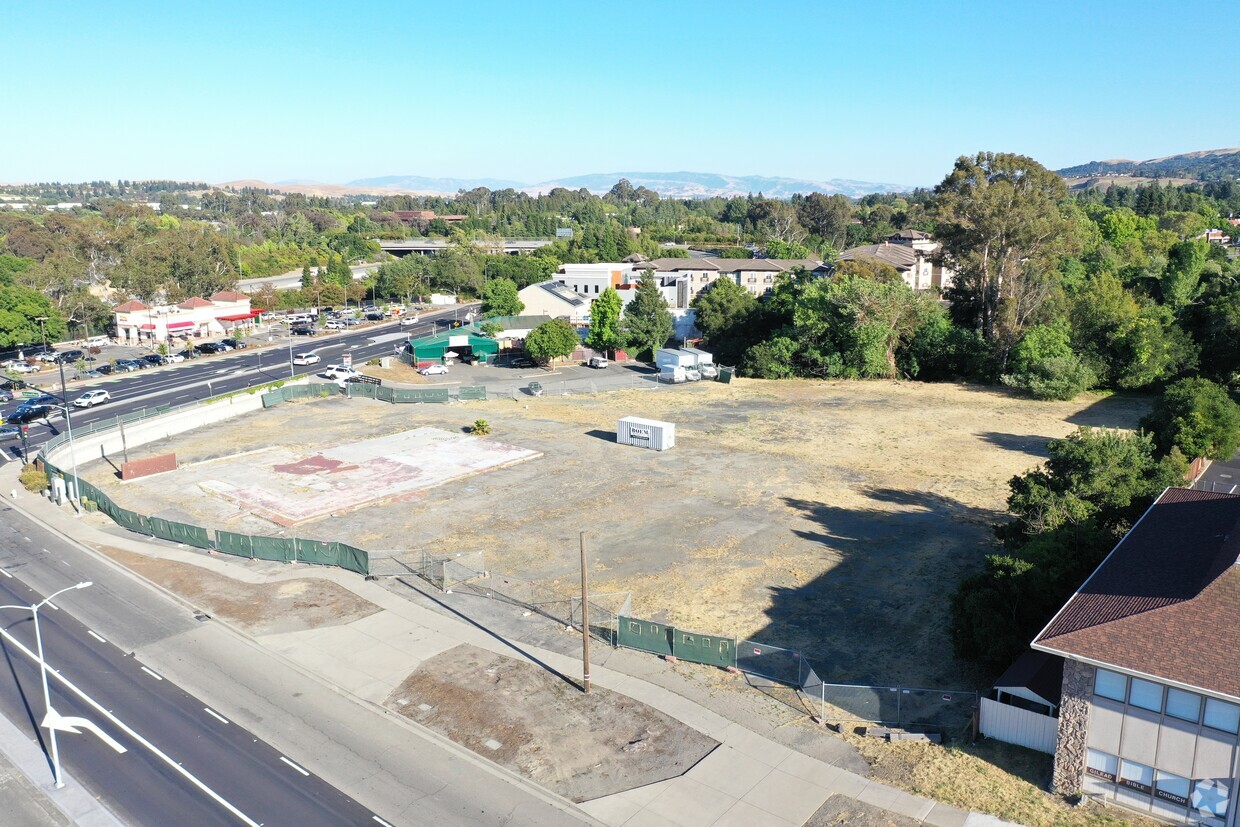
x=47, y=697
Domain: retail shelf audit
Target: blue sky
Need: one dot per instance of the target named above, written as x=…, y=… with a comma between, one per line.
x=875, y=90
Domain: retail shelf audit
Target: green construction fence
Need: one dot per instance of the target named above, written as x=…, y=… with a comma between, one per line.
x=661, y=639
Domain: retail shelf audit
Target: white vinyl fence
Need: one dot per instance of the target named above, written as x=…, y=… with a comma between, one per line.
x=1014, y=725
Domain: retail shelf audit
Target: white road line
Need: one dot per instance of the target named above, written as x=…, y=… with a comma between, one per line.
x=152, y=674
x=5, y=573
x=96, y=636
x=27, y=539
x=128, y=730
x=381, y=821
x=294, y=766
x=217, y=716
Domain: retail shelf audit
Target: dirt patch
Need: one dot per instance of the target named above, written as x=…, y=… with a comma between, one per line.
x=541, y=726
x=838, y=810
x=990, y=777
x=260, y=609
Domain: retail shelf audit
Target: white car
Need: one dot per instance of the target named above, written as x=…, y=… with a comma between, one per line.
x=335, y=325
x=92, y=398
x=409, y=321
x=173, y=359
x=338, y=372
x=433, y=370
x=306, y=359
x=22, y=367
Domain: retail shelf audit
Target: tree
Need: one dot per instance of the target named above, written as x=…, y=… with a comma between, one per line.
x=338, y=272
x=499, y=298
x=772, y=359
x=19, y=309
x=1001, y=224
x=307, y=277
x=728, y=316
x=1044, y=363
x=786, y=249
x=604, y=332
x=869, y=268
x=826, y=216
x=1068, y=515
x=551, y=340
x=1196, y=416
x=647, y=324
x=404, y=278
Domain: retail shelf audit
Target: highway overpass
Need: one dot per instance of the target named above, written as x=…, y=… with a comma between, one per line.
x=431, y=246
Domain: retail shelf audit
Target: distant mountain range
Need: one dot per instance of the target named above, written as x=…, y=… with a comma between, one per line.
x=666, y=184
x=1206, y=165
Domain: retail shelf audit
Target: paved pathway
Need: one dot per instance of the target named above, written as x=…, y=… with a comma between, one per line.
x=748, y=780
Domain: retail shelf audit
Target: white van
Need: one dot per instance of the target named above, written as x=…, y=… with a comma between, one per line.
x=96, y=341
x=672, y=374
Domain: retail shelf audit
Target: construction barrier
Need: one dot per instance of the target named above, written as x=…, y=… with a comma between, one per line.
x=646, y=635
x=471, y=392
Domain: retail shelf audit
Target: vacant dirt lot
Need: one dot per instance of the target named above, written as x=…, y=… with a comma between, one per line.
x=542, y=726
x=832, y=517
x=260, y=609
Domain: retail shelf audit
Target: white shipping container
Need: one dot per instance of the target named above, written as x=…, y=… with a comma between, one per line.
x=646, y=433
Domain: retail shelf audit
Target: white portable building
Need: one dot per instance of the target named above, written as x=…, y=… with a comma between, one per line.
x=646, y=433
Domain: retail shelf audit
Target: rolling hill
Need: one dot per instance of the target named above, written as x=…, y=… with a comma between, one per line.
x=1205, y=165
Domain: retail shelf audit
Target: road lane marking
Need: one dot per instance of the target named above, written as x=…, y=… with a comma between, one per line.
x=96, y=636
x=152, y=674
x=217, y=716
x=381, y=821
x=294, y=766
x=128, y=730
x=5, y=573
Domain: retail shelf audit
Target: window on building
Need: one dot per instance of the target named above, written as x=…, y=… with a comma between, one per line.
x=1111, y=685
x=1146, y=694
x=1171, y=788
x=1211, y=797
x=1101, y=765
x=1222, y=715
x=596, y=288
x=1183, y=705
x=1136, y=776
x=768, y=278
x=753, y=279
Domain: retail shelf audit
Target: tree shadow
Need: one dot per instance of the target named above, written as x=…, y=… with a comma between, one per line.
x=1118, y=410
x=1020, y=443
x=878, y=614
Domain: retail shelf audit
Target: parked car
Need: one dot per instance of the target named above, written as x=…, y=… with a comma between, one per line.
x=334, y=325
x=90, y=374
x=13, y=385
x=304, y=331
x=235, y=344
x=48, y=356
x=92, y=398
x=173, y=359
x=125, y=366
x=209, y=348
x=352, y=322
x=152, y=360
x=307, y=359
x=370, y=308
x=535, y=389
x=189, y=352
x=6, y=396
x=521, y=362
x=596, y=362
x=69, y=357
x=8, y=432
x=23, y=367
x=374, y=317
x=433, y=370
x=102, y=370
x=337, y=372
x=26, y=414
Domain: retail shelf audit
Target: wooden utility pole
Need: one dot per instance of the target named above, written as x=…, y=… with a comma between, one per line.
x=585, y=619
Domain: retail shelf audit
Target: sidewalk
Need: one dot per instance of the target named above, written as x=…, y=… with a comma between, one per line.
x=748, y=780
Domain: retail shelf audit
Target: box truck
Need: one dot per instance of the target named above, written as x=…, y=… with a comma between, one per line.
x=670, y=357
x=703, y=361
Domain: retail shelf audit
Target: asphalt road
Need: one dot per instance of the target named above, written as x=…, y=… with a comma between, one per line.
x=184, y=764
x=205, y=376
x=360, y=761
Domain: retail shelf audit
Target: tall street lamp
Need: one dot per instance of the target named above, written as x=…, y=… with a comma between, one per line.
x=50, y=716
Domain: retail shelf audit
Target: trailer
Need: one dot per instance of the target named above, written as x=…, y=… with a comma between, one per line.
x=703, y=361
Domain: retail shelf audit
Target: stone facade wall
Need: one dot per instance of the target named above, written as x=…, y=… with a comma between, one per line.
x=1078, y=687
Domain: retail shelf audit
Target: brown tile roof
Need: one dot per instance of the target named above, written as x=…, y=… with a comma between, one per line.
x=229, y=296
x=190, y=304
x=790, y=264
x=673, y=264
x=1166, y=602
x=130, y=306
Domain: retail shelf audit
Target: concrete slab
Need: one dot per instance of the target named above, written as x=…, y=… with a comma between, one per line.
x=747, y=815
x=689, y=803
x=810, y=769
x=754, y=745
x=896, y=801
x=786, y=796
x=730, y=771
x=612, y=810
x=943, y=815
